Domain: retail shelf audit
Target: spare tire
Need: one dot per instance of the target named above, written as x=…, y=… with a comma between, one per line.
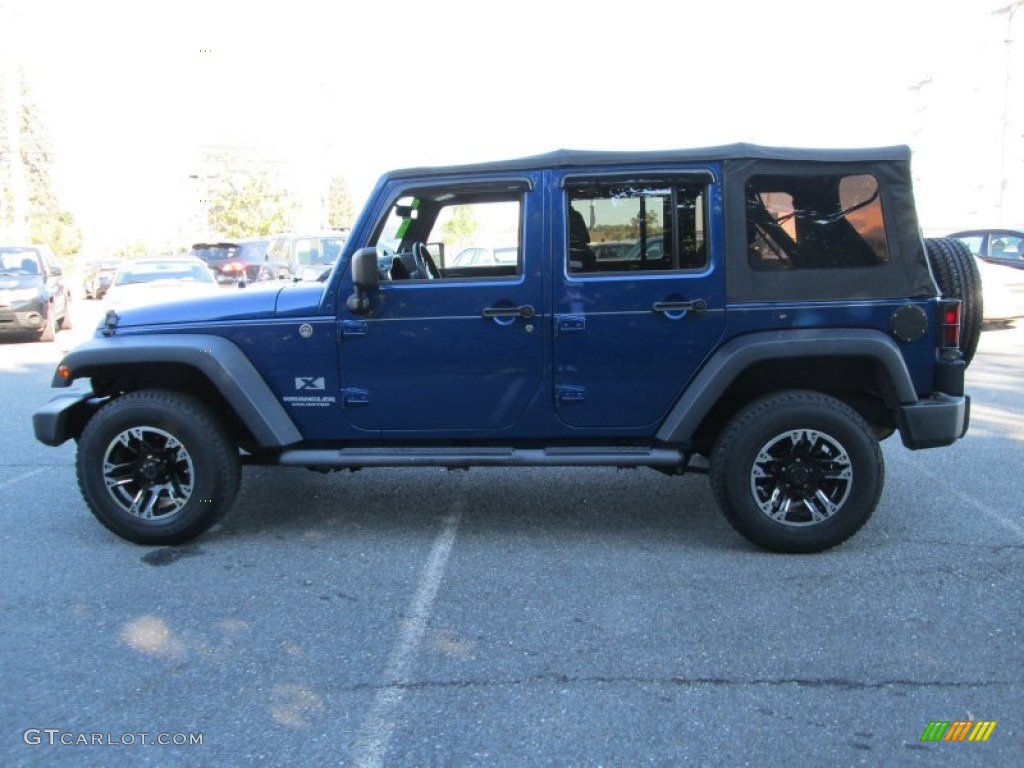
x=957, y=274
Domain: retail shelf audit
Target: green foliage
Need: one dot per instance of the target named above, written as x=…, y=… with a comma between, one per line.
x=340, y=212
x=48, y=222
x=248, y=204
x=243, y=196
x=461, y=228
x=602, y=233
x=58, y=231
x=134, y=250
x=653, y=221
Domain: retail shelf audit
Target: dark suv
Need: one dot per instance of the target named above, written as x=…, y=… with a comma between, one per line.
x=774, y=318
x=238, y=260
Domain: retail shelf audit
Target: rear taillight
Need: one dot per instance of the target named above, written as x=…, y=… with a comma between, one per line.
x=950, y=325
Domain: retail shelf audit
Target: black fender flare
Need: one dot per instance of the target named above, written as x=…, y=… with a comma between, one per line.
x=219, y=360
x=738, y=354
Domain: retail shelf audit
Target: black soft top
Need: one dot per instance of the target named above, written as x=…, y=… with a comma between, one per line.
x=905, y=275
x=573, y=158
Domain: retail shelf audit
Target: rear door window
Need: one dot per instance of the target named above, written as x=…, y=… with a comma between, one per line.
x=636, y=226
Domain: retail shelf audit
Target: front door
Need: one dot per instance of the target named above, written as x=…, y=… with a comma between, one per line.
x=639, y=301
x=452, y=344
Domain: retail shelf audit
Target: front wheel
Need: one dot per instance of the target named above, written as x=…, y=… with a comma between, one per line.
x=797, y=472
x=49, y=330
x=65, y=320
x=156, y=467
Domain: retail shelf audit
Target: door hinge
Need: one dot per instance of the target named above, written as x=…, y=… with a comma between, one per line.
x=351, y=397
x=566, y=393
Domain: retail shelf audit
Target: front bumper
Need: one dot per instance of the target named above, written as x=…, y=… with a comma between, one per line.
x=935, y=421
x=64, y=416
x=23, y=316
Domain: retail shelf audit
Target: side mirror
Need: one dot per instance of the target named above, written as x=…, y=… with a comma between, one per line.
x=56, y=271
x=365, y=278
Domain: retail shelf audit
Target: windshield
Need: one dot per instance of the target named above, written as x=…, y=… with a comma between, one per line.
x=153, y=271
x=318, y=250
x=20, y=261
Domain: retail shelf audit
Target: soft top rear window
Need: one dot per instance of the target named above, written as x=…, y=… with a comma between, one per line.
x=814, y=222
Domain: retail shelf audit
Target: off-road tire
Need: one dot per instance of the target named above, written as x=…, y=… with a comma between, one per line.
x=157, y=467
x=797, y=445
x=958, y=277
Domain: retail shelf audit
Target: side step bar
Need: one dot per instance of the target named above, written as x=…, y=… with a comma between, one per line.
x=464, y=458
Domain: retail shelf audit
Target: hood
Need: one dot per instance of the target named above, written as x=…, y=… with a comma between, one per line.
x=9, y=282
x=224, y=304
x=230, y=304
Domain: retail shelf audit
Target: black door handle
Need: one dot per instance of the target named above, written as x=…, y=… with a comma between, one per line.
x=698, y=305
x=525, y=311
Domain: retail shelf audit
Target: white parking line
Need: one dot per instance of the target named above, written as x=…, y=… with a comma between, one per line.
x=25, y=476
x=970, y=501
x=379, y=724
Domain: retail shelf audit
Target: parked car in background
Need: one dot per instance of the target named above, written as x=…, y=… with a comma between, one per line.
x=33, y=296
x=305, y=256
x=999, y=246
x=237, y=260
x=1002, y=291
x=157, y=280
x=612, y=250
x=478, y=256
x=98, y=276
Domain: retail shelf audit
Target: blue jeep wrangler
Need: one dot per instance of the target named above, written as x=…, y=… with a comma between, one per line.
x=764, y=316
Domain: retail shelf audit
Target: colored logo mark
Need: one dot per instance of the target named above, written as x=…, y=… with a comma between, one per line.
x=958, y=730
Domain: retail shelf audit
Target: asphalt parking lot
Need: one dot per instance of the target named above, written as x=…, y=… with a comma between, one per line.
x=513, y=617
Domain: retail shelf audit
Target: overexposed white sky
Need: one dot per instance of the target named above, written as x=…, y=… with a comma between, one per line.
x=132, y=93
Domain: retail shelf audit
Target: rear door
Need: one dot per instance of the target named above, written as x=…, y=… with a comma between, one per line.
x=632, y=325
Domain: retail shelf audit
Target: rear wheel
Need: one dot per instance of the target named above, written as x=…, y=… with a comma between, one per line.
x=797, y=472
x=156, y=467
x=958, y=277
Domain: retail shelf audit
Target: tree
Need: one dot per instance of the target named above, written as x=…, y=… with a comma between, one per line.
x=461, y=228
x=649, y=219
x=59, y=231
x=26, y=187
x=340, y=212
x=132, y=250
x=245, y=199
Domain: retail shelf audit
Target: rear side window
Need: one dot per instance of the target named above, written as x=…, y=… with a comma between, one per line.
x=814, y=222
